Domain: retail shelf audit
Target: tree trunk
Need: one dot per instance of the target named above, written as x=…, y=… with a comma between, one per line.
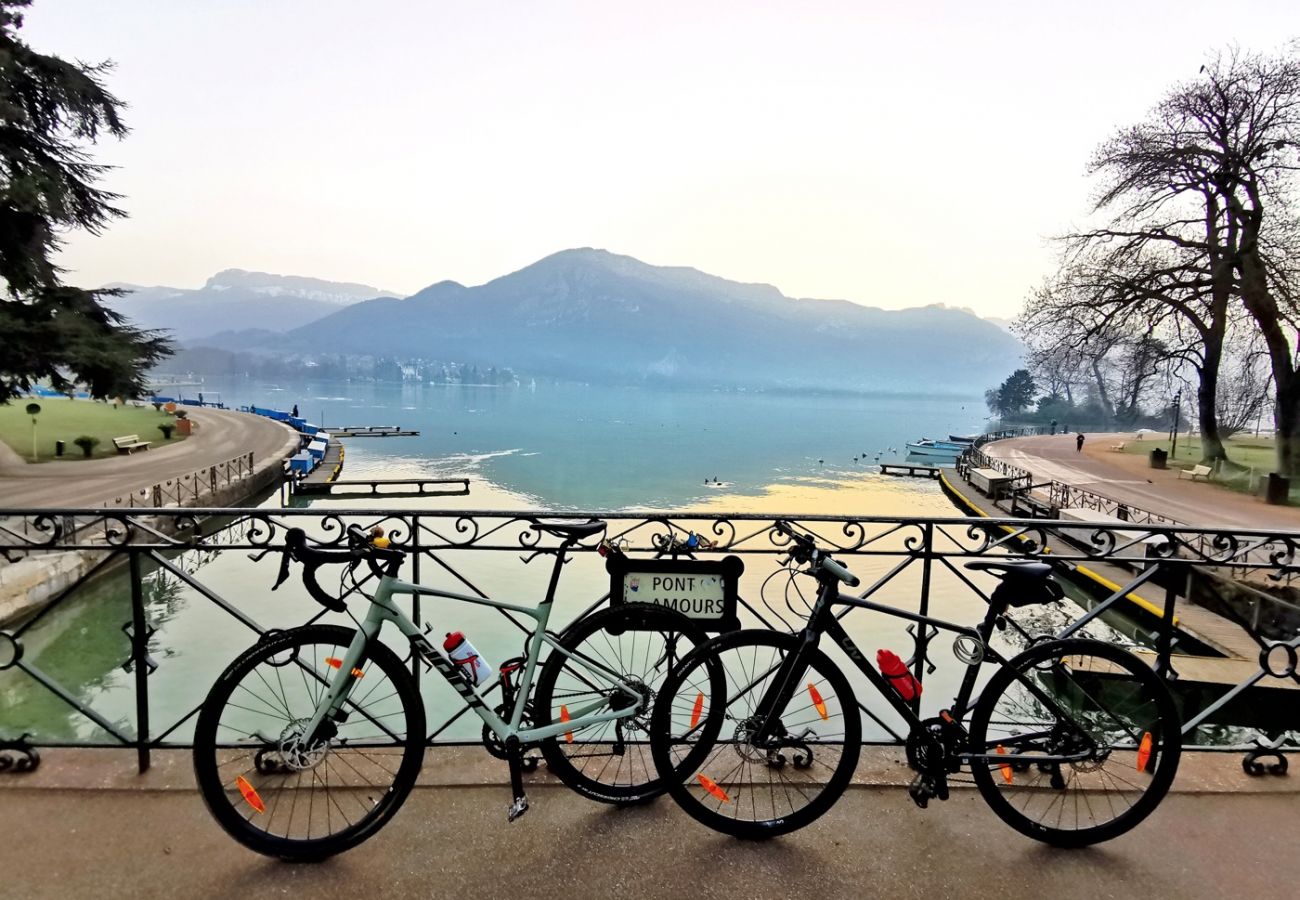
x=1262, y=306
x=1286, y=418
x=1207, y=392
x=1107, y=408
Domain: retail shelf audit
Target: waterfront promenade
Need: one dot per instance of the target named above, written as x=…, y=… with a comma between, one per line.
x=219, y=435
x=1129, y=479
x=454, y=842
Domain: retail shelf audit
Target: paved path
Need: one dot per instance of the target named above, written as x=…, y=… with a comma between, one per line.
x=454, y=842
x=219, y=435
x=1128, y=478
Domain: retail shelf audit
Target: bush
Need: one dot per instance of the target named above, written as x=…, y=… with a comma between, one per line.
x=157, y=407
x=87, y=444
x=181, y=414
x=166, y=429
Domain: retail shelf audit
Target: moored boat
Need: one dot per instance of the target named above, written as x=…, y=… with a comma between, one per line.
x=926, y=447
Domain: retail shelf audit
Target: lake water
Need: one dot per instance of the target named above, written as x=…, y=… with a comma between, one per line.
x=597, y=447
x=555, y=446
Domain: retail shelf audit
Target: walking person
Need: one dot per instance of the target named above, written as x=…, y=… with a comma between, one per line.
x=1078, y=443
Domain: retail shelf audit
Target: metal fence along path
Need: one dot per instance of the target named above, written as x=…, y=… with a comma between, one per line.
x=915, y=563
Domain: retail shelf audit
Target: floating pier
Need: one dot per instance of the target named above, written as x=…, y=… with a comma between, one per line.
x=908, y=470
x=387, y=487
x=351, y=431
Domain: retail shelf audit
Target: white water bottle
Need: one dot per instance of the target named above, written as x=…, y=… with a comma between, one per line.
x=462, y=653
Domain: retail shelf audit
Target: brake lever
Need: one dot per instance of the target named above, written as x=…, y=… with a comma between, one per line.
x=284, y=567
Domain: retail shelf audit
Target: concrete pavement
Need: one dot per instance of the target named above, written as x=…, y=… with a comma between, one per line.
x=219, y=435
x=454, y=842
x=1128, y=478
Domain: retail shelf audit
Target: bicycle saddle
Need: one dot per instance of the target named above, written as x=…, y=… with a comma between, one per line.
x=1014, y=568
x=569, y=529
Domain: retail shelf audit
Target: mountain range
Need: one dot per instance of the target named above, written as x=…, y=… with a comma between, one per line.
x=590, y=314
x=235, y=296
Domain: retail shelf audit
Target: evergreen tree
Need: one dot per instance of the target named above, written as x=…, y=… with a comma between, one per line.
x=49, y=110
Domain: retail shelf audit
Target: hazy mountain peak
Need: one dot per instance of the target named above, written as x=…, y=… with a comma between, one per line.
x=294, y=286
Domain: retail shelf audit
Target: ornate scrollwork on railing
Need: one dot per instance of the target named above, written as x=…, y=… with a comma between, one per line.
x=18, y=756
x=884, y=547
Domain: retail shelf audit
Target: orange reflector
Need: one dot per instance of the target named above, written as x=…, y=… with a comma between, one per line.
x=1144, y=751
x=699, y=708
x=711, y=786
x=1007, y=773
x=564, y=717
x=357, y=673
x=817, y=701
x=333, y=663
x=250, y=794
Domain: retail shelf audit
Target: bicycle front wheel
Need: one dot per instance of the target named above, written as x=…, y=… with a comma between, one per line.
x=284, y=793
x=709, y=746
x=1074, y=742
x=611, y=762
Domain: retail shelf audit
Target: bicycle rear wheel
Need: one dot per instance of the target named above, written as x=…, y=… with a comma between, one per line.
x=611, y=762
x=1114, y=717
x=283, y=796
x=720, y=770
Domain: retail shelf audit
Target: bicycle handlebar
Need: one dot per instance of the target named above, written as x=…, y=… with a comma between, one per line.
x=839, y=571
x=804, y=549
x=312, y=558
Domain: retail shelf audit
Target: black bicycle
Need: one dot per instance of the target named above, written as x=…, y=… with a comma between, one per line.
x=1070, y=742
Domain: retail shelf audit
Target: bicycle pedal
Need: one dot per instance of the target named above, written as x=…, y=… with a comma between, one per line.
x=516, y=809
x=920, y=790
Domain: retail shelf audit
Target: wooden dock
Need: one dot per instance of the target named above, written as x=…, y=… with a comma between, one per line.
x=389, y=487
x=1192, y=670
x=318, y=479
x=907, y=470
x=352, y=431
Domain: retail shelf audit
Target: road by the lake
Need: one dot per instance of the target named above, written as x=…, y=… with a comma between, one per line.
x=219, y=435
x=1128, y=478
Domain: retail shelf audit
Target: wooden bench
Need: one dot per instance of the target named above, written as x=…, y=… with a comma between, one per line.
x=1119, y=448
x=130, y=443
x=1196, y=472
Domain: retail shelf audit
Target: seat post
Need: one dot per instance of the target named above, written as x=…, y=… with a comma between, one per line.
x=555, y=572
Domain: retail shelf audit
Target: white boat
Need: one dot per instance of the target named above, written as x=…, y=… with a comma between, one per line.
x=926, y=447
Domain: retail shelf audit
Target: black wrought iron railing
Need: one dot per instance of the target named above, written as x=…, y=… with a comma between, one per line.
x=177, y=593
x=189, y=488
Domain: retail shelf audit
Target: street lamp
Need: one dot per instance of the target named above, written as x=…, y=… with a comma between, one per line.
x=1178, y=407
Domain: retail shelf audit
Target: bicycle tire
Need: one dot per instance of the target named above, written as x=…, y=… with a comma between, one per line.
x=700, y=795
x=1083, y=671
x=583, y=759
x=225, y=796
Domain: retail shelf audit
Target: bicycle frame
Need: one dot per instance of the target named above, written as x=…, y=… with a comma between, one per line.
x=824, y=621
x=384, y=609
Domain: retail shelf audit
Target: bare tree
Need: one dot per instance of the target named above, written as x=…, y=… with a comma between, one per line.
x=1227, y=144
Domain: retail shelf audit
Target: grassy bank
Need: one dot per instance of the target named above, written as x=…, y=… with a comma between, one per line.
x=1249, y=459
x=65, y=420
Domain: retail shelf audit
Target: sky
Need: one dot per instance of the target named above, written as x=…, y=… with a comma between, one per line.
x=893, y=154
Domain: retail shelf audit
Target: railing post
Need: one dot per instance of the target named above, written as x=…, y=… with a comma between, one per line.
x=1165, y=640
x=922, y=643
x=415, y=601
x=139, y=662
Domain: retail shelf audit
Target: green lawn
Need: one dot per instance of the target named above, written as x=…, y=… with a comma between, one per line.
x=61, y=419
x=1249, y=458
